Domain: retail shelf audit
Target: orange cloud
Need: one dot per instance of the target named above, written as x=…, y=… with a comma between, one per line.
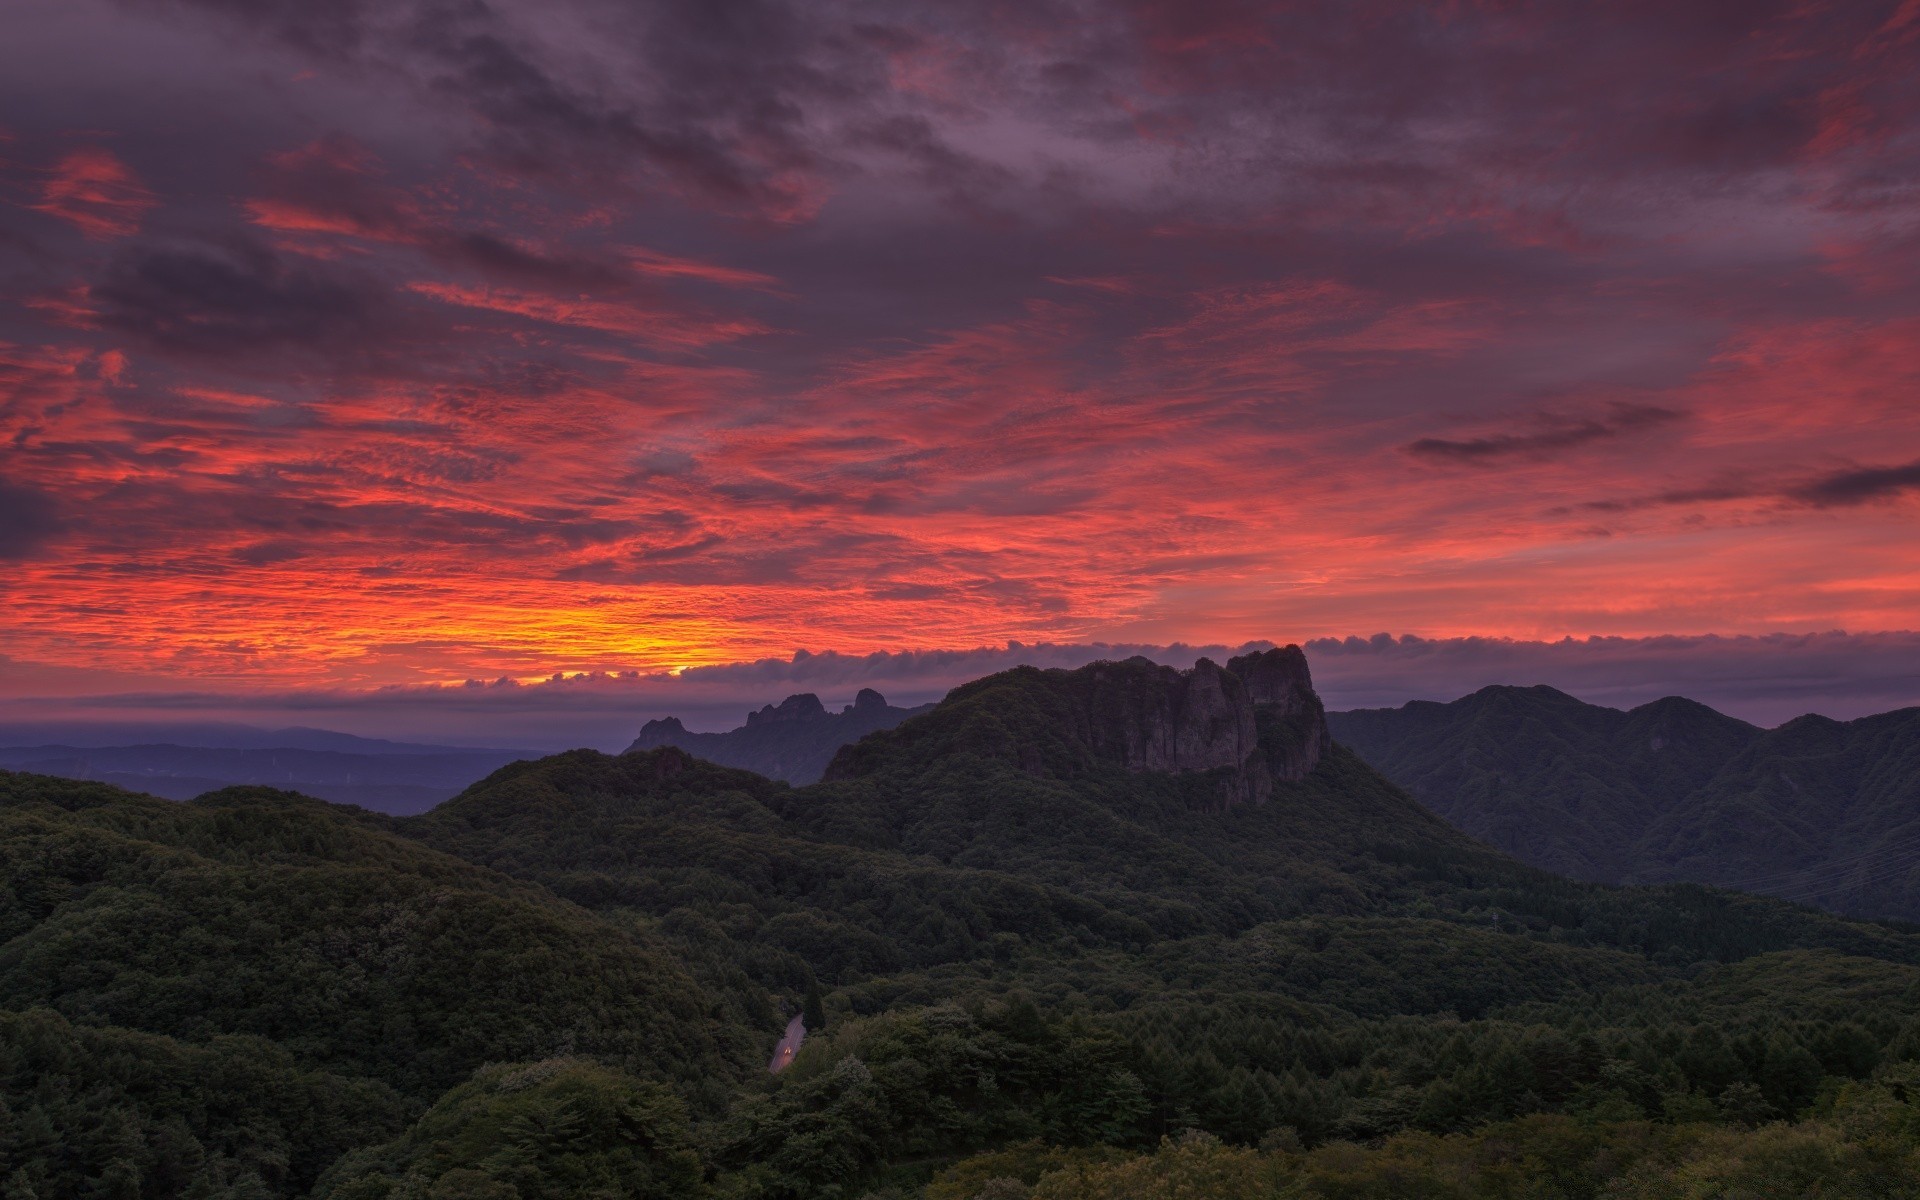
x=1177, y=325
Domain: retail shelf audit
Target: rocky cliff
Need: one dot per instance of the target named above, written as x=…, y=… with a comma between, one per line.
x=1293, y=722
x=1247, y=727
x=1259, y=717
x=1153, y=718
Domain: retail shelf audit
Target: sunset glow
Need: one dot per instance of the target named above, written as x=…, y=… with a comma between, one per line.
x=358, y=346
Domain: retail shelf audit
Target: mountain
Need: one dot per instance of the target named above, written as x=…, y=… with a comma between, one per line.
x=1817, y=810
x=1084, y=905
x=213, y=735
x=793, y=740
x=389, y=777
x=1821, y=811
x=1044, y=925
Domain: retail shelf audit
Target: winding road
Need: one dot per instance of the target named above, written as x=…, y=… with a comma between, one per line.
x=789, y=1045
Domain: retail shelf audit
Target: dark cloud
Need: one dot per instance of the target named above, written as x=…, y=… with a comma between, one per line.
x=708, y=98
x=240, y=298
x=497, y=257
x=1675, y=497
x=967, y=180
x=1847, y=488
x=335, y=185
x=1864, y=485
x=28, y=518
x=1556, y=434
x=264, y=554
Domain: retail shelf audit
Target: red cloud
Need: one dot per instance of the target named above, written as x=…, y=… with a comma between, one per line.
x=96, y=193
x=707, y=340
x=657, y=326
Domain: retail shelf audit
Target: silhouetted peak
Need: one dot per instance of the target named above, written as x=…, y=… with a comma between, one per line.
x=1278, y=676
x=802, y=707
x=1535, y=691
x=868, y=700
x=663, y=731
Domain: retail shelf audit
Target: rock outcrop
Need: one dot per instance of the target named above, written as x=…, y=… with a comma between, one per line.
x=1293, y=722
x=1153, y=718
x=1244, y=728
x=666, y=731
x=802, y=707
x=792, y=740
x=1248, y=724
x=1258, y=717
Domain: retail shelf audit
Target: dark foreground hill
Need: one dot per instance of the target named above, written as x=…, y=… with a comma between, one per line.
x=232, y=992
x=1821, y=811
x=793, y=740
x=1056, y=919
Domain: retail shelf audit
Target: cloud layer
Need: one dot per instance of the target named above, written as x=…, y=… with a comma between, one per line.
x=1766, y=679
x=357, y=344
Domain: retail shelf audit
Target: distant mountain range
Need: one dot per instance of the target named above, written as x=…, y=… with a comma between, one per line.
x=1821, y=811
x=389, y=777
x=216, y=735
x=793, y=740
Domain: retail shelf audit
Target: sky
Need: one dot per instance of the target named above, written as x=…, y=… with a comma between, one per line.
x=363, y=350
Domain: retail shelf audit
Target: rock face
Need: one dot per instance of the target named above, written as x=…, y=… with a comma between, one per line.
x=1241, y=729
x=1258, y=717
x=1154, y=718
x=1293, y=722
x=1160, y=719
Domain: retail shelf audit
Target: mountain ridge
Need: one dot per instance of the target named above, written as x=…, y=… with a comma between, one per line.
x=1814, y=809
x=1018, y=929
x=791, y=741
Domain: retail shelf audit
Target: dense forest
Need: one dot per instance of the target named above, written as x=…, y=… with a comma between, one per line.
x=1820, y=811
x=1030, y=965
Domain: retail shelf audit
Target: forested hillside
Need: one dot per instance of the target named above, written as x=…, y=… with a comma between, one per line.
x=1820, y=811
x=1069, y=934
x=244, y=986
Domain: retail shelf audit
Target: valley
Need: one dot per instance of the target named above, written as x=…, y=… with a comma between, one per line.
x=1087, y=912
